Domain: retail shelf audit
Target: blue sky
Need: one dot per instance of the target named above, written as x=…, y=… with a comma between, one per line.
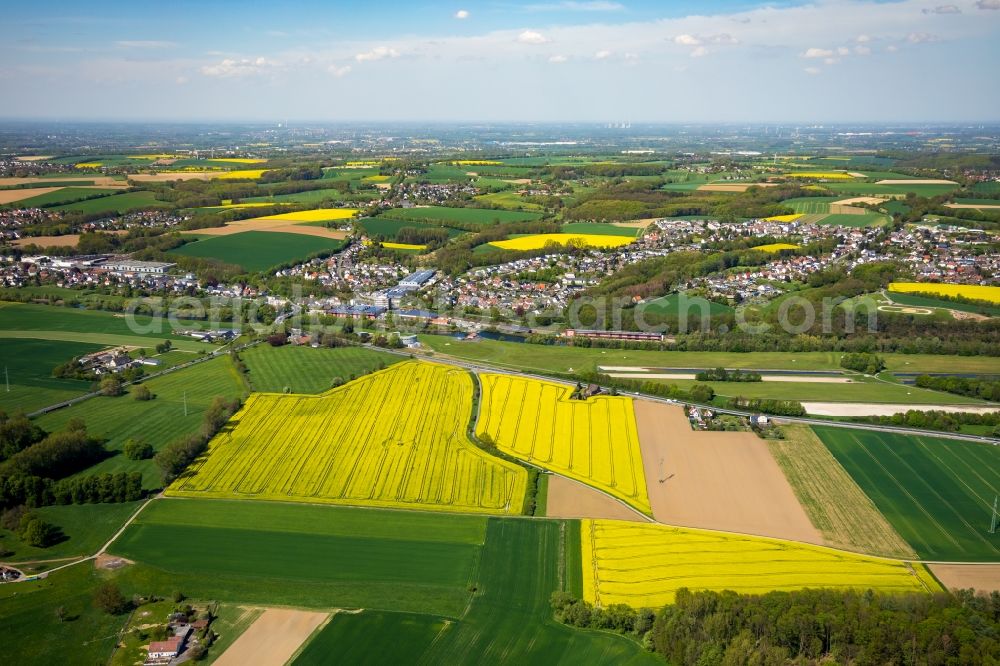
x=545, y=60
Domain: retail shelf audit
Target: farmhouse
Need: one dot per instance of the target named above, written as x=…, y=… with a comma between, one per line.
x=164, y=651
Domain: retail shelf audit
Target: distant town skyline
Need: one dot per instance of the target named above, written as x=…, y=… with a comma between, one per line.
x=545, y=61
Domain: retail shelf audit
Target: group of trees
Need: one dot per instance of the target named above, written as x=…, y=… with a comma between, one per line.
x=56, y=455
x=723, y=375
x=36, y=491
x=809, y=626
x=869, y=364
x=974, y=387
x=176, y=456
x=768, y=406
x=828, y=626
x=31, y=528
x=938, y=420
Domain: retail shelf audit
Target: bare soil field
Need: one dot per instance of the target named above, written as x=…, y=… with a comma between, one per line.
x=731, y=187
x=636, y=224
x=960, y=206
x=34, y=158
x=870, y=409
x=837, y=506
x=857, y=200
x=917, y=181
x=983, y=577
x=273, y=638
x=716, y=480
x=571, y=499
x=283, y=226
x=836, y=209
x=10, y=196
x=67, y=240
x=98, y=181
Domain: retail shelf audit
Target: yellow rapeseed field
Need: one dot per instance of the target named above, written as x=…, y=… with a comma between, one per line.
x=317, y=215
x=973, y=291
x=784, y=218
x=477, y=163
x=776, y=247
x=824, y=175
x=240, y=173
x=538, y=241
x=89, y=165
x=396, y=438
x=594, y=441
x=403, y=246
x=644, y=564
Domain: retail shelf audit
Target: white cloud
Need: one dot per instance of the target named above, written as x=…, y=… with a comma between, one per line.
x=921, y=38
x=603, y=54
x=532, y=37
x=558, y=59
x=831, y=61
x=863, y=39
x=862, y=50
x=377, y=53
x=699, y=52
x=722, y=38
x=181, y=80
x=687, y=40
x=817, y=53
x=230, y=67
x=988, y=4
x=943, y=9
x=843, y=50
x=813, y=71
x=144, y=44
x=462, y=14
x=339, y=70
x=892, y=48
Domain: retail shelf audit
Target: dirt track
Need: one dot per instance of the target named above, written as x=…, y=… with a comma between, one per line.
x=984, y=577
x=273, y=638
x=572, y=499
x=716, y=480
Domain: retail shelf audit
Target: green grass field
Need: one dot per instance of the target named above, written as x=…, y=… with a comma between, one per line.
x=308, y=370
x=564, y=359
x=917, y=300
x=64, y=196
x=810, y=205
x=464, y=215
x=312, y=556
x=598, y=228
x=87, y=527
x=510, y=200
x=868, y=391
x=937, y=493
x=158, y=421
x=669, y=305
x=862, y=220
x=310, y=197
x=378, y=226
x=259, y=250
x=861, y=188
x=28, y=364
x=361, y=638
x=507, y=621
x=120, y=203
x=49, y=322
x=28, y=611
